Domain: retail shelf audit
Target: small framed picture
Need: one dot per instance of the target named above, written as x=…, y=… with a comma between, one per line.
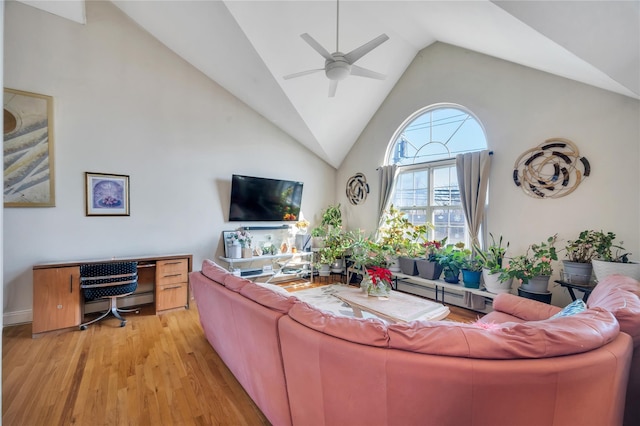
x=106, y=195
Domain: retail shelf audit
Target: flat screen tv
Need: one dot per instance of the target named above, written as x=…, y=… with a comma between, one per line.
x=261, y=199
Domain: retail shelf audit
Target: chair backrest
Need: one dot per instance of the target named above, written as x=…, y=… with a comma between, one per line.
x=108, y=279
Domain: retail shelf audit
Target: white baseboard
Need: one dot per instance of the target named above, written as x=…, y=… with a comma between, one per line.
x=17, y=317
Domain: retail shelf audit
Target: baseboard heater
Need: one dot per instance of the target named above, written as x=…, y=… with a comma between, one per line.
x=450, y=297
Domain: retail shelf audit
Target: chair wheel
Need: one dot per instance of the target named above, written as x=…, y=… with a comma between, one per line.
x=83, y=327
x=123, y=323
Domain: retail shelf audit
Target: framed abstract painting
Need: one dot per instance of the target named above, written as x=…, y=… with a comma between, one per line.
x=28, y=150
x=106, y=194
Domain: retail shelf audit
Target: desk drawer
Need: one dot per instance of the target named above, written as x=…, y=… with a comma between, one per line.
x=171, y=271
x=171, y=296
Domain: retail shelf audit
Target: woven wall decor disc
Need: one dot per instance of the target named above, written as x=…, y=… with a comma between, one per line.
x=553, y=169
x=357, y=189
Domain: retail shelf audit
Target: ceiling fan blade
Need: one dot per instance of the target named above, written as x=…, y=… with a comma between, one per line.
x=316, y=46
x=359, y=52
x=301, y=73
x=363, y=72
x=333, y=85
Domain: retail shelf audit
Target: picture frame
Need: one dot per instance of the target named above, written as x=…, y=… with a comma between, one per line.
x=29, y=179
x=106, y=194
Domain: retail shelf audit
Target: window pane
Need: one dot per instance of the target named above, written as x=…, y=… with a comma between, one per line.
x=412, y=189
x=445, y=187
x=449, y=223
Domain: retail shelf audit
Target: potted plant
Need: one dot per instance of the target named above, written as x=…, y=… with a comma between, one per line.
x=333, y=251
x=428, y=267
x=397, y=236
x=533, y=269
x=332, y=217
x=612, y=259
x=472, y=271
x=492, y=259
x=579, y=254
x=452, y=258
x=317, y=237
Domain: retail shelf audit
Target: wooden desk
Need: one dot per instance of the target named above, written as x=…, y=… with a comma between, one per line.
x=58, y=302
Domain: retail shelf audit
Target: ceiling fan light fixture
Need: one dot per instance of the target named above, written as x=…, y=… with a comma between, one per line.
x=337, y=70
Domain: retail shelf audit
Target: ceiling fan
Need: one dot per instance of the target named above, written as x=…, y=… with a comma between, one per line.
x=338, y=65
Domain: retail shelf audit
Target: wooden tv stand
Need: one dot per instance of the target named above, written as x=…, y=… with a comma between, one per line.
x=58, y=302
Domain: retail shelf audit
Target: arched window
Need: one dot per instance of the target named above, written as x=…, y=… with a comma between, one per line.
x=424, y=148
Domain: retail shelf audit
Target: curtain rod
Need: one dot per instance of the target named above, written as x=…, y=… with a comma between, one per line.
x=490, y=153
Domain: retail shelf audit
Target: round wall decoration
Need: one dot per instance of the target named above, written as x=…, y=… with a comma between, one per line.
x=551, y=170
x=357, y=189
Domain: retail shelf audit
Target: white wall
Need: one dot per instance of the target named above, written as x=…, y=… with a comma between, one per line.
x=125, y=104
x=520, y=108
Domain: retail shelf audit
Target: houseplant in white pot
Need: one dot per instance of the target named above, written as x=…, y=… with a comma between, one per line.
x=612, y=259
x=492, y=259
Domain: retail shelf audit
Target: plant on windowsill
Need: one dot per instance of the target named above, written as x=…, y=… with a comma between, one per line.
x=399, y=237
x=471, y=271
x=428, y=267
x=533, y=269
x=492, y=259
x=452, y=258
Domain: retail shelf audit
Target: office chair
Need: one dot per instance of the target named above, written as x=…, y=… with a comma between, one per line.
x=109, y=281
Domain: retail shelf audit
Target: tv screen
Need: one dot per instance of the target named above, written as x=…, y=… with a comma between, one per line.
x=262, y=199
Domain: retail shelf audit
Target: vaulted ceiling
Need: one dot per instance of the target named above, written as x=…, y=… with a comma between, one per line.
x=248, y=46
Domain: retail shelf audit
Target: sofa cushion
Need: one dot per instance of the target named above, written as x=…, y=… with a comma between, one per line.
x=372, y=332
x=534, y=339
x=213, y=271
x=572, y=308
x=619, y=295
x=235, y=283
x=267, y=297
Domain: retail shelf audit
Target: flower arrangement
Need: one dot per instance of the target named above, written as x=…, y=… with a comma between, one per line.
x=302, y=224
x=380, y=281
x=535, y=262
x=242, y=237
x=433, y=248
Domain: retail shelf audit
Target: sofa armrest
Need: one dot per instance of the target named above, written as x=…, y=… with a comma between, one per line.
x=522, y=308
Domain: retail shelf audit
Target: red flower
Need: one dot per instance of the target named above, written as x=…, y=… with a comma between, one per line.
x=379, y=274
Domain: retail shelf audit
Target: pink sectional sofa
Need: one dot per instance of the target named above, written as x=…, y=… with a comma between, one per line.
x=617, y=294
x=303, y=366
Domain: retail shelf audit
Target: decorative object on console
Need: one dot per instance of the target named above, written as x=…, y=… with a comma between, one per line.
x=357, y=189
x=106, y=194
x=28, y=150
x=377, y=281
x=551, y=170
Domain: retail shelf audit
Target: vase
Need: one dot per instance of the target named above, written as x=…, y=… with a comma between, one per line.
x=246, y=252
x=235, y=251
x=381, y=289
x=428, y=269
x=471, y=279
x=602, y=269
x=408, y=265
x=493, y=284
x=324, y=270
x=537, y=284
x=577, y=272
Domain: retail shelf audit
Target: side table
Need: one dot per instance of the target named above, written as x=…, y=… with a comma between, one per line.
x=586, y=289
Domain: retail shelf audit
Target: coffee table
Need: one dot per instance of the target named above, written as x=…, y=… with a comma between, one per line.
x=398, y=307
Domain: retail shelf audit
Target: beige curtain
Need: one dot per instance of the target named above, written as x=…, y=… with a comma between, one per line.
x=387, y=175
x=473, y=180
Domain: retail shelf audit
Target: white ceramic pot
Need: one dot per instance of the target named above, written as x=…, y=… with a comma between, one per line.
x=493, y=284
x=537, y=284
x=602, y=269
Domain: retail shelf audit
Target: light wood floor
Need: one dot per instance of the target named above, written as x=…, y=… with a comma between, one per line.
x=158, y=370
